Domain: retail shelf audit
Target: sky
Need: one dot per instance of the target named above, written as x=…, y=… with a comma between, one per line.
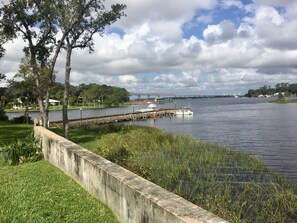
x=187, y=47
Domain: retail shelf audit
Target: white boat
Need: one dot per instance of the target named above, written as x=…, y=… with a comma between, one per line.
x=151, y=107
x=184, y=111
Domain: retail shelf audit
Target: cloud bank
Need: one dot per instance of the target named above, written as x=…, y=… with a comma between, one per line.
x=188, y=47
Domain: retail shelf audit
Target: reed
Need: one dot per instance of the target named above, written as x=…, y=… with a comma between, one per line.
x=229, y=183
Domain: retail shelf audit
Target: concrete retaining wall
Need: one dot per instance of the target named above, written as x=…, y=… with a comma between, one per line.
x=130, y=197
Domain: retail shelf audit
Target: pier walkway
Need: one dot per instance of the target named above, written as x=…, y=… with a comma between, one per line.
x=115, y=118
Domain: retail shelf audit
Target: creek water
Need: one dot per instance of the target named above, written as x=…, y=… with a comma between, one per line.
x=253, y=125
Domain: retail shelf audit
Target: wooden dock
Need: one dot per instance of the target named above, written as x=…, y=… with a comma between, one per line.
x=115, y=118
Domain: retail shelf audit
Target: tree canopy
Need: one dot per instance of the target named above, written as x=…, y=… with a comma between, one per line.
x=268, y=90
x=49, y=26
x=83, y=94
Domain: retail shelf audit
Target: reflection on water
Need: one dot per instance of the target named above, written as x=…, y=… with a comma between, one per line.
x=251, y=125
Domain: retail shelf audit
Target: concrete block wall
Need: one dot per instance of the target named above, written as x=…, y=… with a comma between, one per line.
x=130, y=197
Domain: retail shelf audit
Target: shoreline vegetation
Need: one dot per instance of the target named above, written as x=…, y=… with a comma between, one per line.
x=39, y=192
x=234, y=185
x=284, y=101
x=70, y=107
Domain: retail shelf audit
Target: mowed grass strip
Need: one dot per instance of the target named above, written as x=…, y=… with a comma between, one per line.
x=39, y=192
x=10, y=132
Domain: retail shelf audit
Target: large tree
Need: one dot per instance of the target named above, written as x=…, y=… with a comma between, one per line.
x=92, y=18
x=2, y=51
x=35, y=21
x=22, y=84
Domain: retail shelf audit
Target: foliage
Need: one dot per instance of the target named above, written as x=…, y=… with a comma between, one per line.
x=2, y=76
x=232, y=184
x=35, y=21
x=39, y=192
x=84, y=94
x=22, y=150
x=22, y=119
x=26, y=189
x=268, y=90
x=2, y=51
x=107, y=95
x=38, y=22
x=3, y=117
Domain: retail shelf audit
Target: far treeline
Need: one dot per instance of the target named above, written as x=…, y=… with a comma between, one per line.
x=285, y=89
x=18, y=95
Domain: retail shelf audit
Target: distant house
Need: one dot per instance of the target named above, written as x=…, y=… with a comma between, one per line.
x=18, y=104
x=53, y=102
x=277, y=94
x=264, y=96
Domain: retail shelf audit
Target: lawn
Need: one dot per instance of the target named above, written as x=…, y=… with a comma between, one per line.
x=9, y=132
x=39, y=192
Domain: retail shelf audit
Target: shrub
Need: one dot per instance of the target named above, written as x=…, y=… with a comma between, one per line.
x=21, y=151
x=22, y=119
x=3, y=117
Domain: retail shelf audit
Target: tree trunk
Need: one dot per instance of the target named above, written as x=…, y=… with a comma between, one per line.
x=36, y=75
x=26, y=115
x=46, y=107
x=66, y=93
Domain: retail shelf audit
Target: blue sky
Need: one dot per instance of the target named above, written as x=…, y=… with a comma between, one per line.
x=201, y=47
x=203, y=18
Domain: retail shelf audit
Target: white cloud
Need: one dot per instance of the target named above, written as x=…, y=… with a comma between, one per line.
x=275, y=2
x=268, y=14
x=205, y=19
x=224, y=31
x=128, y=79
x=232, y=3
x=153, y=54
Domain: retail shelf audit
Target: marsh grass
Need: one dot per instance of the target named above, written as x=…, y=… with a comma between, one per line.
x=231, y=184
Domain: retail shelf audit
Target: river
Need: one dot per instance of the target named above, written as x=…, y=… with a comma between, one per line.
x=250, y=124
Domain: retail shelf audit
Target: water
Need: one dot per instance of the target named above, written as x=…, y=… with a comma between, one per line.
x=252, y=125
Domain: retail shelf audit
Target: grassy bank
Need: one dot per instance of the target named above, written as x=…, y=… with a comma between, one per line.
x=234, y=185
x=285, y=101
x=39, y=192
x=70, y=107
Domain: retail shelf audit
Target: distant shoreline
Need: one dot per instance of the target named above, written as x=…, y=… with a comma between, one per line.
x=284, y=101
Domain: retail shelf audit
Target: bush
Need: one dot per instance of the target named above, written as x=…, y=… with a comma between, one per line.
x=22, y=119
x=21, y=151
x=3, y=117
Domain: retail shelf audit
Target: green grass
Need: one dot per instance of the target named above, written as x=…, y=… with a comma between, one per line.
x=9, y=132
x=285, y=101
x=231, y=184
x=70, y=107
x=39, y=192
